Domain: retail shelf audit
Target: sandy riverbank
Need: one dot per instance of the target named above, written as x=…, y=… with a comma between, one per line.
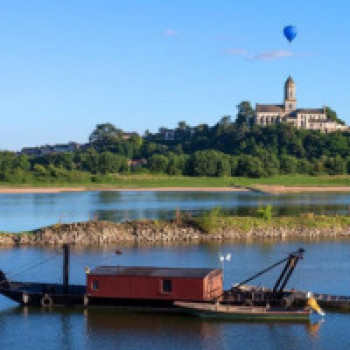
x=81, y=189
x=276, y=189
x=263, y=188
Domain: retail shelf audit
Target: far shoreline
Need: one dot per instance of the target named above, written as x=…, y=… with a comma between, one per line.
x=57, y=189
x=269, y=189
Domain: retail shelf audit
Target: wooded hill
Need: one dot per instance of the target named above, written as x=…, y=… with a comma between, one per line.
x=228, y=148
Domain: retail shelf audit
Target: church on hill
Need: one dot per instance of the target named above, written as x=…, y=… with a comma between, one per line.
x=301, y=118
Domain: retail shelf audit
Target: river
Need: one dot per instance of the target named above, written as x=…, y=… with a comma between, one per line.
x=325, y=268
x=28, y=211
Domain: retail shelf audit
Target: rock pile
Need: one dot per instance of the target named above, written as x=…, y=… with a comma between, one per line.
x=105, y=232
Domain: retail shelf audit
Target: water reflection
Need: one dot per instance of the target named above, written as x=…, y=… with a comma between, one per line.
x=106, y=197
x=314, y=328
x=110, y=328
x=28, y=211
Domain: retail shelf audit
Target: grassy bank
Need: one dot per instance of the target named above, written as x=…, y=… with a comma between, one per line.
x=213, y=222
x=296, y=180
x=158, y=181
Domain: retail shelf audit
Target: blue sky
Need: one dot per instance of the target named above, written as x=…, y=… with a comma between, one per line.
x=66, y=66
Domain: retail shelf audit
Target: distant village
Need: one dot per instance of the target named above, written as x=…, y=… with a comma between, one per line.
x=69, y=147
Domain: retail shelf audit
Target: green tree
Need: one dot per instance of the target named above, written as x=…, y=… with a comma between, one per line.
x=177, y=164
x=332, y=115
x=317, y=167
x=110, y=163
x=304, y=166
x=249, y=166
x=104, y=135
x=233, y=165
x=268, y=160
x=206, y=163
x=90, y=161
x=335, y=165
x=39, y=170
x=158, y=163
x=224, y=166
x=62, y=160
x=21, y=162
x=245, y=114
x=337, y=144
x=288, y=164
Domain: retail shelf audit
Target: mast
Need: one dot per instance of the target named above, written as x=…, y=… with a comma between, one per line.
x=65, y=270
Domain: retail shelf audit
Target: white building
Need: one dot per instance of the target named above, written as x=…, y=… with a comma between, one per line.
x=303, y=118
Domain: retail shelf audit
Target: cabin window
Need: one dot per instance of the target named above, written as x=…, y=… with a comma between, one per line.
x=94, y=285
x=167, y=286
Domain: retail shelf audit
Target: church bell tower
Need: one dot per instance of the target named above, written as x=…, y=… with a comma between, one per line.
x=290, y=102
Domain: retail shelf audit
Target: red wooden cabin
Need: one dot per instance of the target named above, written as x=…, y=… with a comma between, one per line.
x=187, y=284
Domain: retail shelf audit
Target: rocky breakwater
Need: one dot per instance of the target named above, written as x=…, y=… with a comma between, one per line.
x=101, y=233
x=105, y=232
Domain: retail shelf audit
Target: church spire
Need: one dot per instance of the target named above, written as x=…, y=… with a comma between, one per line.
x=290, y=101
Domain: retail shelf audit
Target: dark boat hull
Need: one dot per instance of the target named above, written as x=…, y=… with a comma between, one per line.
x=51, y=295
x=40, y=294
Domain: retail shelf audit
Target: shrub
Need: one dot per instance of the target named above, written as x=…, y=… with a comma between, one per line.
x=210, y=221
x=265, y=212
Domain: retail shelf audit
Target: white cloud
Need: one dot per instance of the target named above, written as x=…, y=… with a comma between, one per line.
x=172, y=32
x=237, y=51
x=272, y=55
x=263, y=56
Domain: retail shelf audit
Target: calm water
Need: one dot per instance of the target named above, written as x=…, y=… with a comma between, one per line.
x=27, y=211
x=326, y=268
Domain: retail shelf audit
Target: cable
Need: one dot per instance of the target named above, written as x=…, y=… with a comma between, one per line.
x=33, y=266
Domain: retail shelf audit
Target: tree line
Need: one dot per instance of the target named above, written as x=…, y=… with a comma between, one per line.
x=228, y=148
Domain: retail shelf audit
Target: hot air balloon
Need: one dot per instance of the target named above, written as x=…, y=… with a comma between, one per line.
x=290, y=32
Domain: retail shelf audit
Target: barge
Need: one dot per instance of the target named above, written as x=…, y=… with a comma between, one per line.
x=194, y=290
x=125, y=286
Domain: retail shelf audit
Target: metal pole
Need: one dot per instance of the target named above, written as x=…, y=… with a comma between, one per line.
x=65, y=268
x=294, y=264
x=290, y=259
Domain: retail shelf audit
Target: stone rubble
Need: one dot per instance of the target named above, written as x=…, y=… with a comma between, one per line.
x=105, y=232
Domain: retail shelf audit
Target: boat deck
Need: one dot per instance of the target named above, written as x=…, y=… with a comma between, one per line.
x=327, y=301
x=243, y=312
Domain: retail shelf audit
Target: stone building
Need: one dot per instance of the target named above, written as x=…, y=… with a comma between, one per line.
x=301, y=118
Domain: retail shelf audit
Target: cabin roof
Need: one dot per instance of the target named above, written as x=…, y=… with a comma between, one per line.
x=152, y=271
